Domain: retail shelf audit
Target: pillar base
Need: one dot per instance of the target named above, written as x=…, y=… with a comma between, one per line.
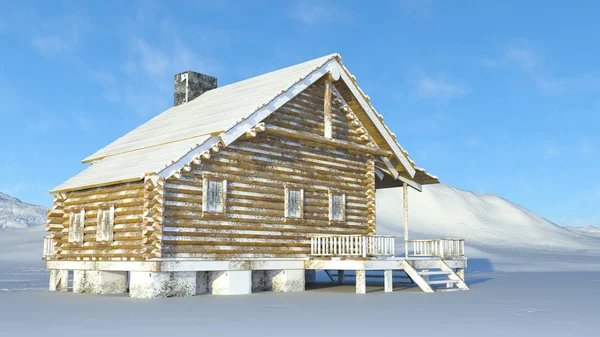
x=287, y=280
x=59, y=280
x=160, y=285
x=99, y=282
x=361, y=282
x=388, y=281
x=238, y=282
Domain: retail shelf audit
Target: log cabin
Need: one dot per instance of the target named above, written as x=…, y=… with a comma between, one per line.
x=248, y=187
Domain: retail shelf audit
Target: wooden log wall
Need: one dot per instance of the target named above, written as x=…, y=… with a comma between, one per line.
x=128, y=200
x=256, y=168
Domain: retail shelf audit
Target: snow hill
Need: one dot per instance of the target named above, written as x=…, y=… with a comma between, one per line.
x=15, y=214
x=499, y=235
x=588, y=230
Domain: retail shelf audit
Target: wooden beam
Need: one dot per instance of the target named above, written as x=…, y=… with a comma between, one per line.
x=276, y=130
x=327, y=117
x=390, y=167
x=405, y=213
x=411, y=183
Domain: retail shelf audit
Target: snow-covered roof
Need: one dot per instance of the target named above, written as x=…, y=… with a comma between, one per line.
x=167, y=142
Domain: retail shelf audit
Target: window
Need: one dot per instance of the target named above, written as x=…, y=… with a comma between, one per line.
x=337, y=207
x=76, y=221
x=105, y=224
x=294, y=203
x=214, y=196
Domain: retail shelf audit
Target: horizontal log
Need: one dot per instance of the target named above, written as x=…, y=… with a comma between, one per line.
x=328, y=142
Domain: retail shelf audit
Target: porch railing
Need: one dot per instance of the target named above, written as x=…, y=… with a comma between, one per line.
x=439, y=247
x=352, y=245
x=48, y=247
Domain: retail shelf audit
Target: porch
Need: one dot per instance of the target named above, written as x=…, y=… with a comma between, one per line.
x=433, y=265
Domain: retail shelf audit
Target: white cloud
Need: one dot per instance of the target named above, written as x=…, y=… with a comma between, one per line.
x=551, y=151
x=151, y=60
x=417, y=7
x=311, y=12
x=50, y=43
x=522, y=55
x=429, y=87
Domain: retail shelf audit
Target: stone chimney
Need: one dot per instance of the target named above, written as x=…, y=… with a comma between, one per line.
x=189, y=85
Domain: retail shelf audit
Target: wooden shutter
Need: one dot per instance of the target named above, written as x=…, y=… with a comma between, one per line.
x=294, y=203
x=214, y=196
x=105, y=225
x=76, y=223
x=337, y=207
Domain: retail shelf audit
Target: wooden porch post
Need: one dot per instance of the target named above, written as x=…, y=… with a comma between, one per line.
x=405, y=214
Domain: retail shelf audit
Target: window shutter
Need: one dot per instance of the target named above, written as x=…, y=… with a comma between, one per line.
x=294, y=203
x=337, y=207
x=76, y=223
x=214, y=196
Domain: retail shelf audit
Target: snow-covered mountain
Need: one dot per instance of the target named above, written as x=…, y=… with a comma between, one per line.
x=498, y=233
x=16, y=214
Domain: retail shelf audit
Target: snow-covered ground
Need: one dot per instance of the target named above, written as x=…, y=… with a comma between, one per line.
x=560, y=299
x=499, y=304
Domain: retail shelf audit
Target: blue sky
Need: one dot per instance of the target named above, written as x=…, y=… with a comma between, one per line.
x=497, y=97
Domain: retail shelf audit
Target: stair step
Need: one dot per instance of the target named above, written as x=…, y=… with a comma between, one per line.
x=434, y=273
x=443, y=281
x=449, y=289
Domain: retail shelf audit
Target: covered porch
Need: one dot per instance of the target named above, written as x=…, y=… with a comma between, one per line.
x=429, y=263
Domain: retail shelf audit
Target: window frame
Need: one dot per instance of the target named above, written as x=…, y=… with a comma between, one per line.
x=286, y=209
x=76, y=235
x=102, y=213
x=332, y=194
x=206, y=178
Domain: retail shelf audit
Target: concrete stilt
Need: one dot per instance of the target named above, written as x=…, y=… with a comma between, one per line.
x=361, y=282
x=99, y=282
x=310, y=276
x=340, y=277
x=59, y=279
x=159, y=285
x=287, y=280
x=388, y=281
x=238, y=282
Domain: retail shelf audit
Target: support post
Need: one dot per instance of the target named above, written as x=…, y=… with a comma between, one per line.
x=388, y=281
x=310, y=276
x=461, y=273
x=340, y=277
x=361, y=282
x=405, y=215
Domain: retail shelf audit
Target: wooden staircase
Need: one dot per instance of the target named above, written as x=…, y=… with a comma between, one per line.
x=441, y=279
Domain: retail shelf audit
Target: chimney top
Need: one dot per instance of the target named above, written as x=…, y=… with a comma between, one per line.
x=189, y=85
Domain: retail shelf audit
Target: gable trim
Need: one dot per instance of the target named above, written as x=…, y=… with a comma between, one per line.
x=239, y=129
x=378, y=124
x=337, y=71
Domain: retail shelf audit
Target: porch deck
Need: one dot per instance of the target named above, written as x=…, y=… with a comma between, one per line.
x=442, y=259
